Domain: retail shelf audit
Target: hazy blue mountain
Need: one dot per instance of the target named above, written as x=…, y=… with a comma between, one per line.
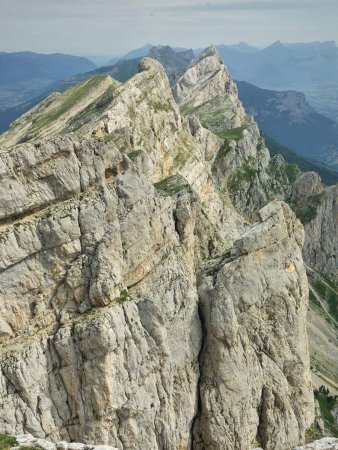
x=137, y=53
x=174, y=61
x=289, y=119
x=241, y=47
x=311, y=68
x=7, y=116
x=99, y=60
x=141, y=52
x=296, y=64
x=26, y=75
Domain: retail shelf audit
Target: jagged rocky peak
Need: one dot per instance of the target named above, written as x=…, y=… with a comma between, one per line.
x=102, y=339
x=168, y=56
x=212, y=50
x=205, y=79
x=150, y=64
x=175, y=63
x=243, y=166
x=308, y=184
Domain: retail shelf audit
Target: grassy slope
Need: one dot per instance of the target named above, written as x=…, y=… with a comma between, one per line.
x=6, y=442
x=327, y=404
x=66, y=101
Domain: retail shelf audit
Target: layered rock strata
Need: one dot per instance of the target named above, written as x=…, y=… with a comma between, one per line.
x=139, y=308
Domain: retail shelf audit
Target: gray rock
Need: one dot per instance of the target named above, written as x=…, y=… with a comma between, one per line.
x=328, y=443
x=144, y=315
x=254, y=362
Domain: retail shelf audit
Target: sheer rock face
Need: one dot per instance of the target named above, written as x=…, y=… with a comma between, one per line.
x=321, y=244
x=319, y=207
x=207, y=78
x=255, y=382
x=111, y=331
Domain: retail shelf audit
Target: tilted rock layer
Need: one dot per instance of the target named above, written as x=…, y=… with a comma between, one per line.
x=146, y=315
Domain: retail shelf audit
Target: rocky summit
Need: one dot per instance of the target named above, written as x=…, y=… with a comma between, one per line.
x=155, y=272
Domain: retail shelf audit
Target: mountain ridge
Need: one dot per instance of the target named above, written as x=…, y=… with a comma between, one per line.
x=139, y=226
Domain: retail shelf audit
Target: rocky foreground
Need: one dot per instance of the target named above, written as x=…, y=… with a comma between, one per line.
x=153, y=290
x=27, y=440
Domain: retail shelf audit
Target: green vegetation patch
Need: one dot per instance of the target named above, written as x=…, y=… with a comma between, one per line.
x=124, y=297
x=66, y=101
x=214, y=116
x=6, y=442
x=182, y=150
x=232, y=134
x=209, y=110
x=187, y=109
x=244, y=174
x=172, y=185
x=32, y=448
x=292, y=171
x=161, y=106
x=309, y=212
x=313, y=434
x=94, y=108
x=327, y=403
x=134, y=154
x=223, y=151
x=280, y=175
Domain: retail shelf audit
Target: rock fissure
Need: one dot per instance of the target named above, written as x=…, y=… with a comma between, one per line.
x=194, y=429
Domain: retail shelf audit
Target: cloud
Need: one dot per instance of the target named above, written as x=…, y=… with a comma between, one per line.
x=254, y=5
x=115, y=26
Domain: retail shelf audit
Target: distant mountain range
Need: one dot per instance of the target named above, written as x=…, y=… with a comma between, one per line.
x=311, y=68
x=141, y=52
x=284, y=64
x=289, y=119
x=285, y=117
x=26, y=75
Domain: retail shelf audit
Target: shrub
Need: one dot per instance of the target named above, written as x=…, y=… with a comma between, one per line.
x=6, y=442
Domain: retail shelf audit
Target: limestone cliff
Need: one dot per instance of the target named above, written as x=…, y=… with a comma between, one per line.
x=255, y=382
x=244, y=171
x=242, y=167
x=318, y=207
x=139, y=307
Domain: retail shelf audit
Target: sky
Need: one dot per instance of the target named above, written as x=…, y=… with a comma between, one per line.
x=113, y=27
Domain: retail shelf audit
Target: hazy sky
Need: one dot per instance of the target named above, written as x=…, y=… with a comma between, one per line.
x=112, y=27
